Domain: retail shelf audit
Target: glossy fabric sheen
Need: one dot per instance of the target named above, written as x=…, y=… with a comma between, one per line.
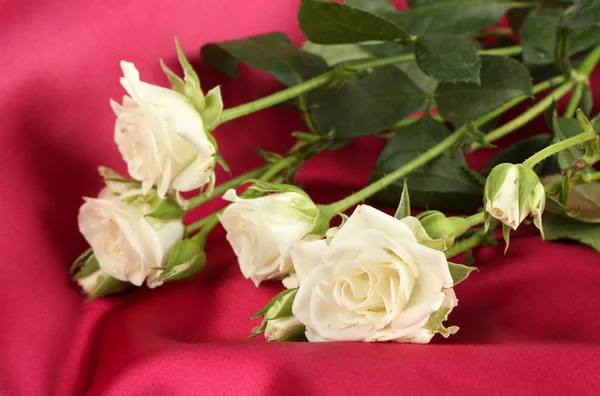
x=529, y=319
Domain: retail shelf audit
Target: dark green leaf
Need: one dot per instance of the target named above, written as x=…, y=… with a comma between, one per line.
x=404, y=205
x=447, y=58
x=460, y=272
x=519, y=151
x=326, y=22
x=366, y=106
x=559, y=227
x=583, y=202
x=451, y=16
x=502, y=79
x=565, y=128
x=379, y=7
x=411, y=69
x=443, y=184
x=335, y=54
x=272, y=52
x=582, y=15
x=538, y=36
x=587, y=101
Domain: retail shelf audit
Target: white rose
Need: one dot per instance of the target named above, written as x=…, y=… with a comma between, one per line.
x=161, y=136
x=279, y=328
x=512, y=193
x=127, y=244
x=372, y=281
x=263, y=230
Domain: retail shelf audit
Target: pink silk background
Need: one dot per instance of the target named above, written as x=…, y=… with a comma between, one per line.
x=529, y=320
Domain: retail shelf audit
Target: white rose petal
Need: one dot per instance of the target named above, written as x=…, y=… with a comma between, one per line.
x=161, y=137
x=372, y=281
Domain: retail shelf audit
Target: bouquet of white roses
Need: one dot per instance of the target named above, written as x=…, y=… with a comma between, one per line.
x=432, y=81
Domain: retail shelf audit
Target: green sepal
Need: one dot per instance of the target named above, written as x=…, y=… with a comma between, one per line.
x=441, y=244
x=80, y=261
x=90, y=266
x=583, y=121
x=272, y=302
x=192, y=87
x=106, y=285
x=177, y=84
x=267, y=156
x=211, y=113
x=322, y=219
x=186, y=259
x=460, y=272
x=506, y=235
x=404, y=205
x=165, y=209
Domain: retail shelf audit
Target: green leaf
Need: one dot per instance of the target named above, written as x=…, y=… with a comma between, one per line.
x=326, y=22
x=447, y=58
x=411, y=69
x=502, y=79
x=539, y=33
x=167, y=209
x=275, y=299
x=519, y=151
x=379, y=7
x=559, y=227
x=442, y=184
x=450, y=16
x=583, y=14
x=538, y=36
x=334, y=54
x=565, y=128
x=273, y=53
x=366, y=106
x=460, y=272
x=404, y=205
x=583, y=202
x=587, y=101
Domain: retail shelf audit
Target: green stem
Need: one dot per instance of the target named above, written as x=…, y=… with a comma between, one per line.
x=527, y=116
x=475, y=220
x=208, y=225
x=560, y=146
x=574, y=101
x=408, y=121
x=589, y=63
x=466, y=244
x=325, y=78
x=390, y=178
x=208, y=220
x=221, y=188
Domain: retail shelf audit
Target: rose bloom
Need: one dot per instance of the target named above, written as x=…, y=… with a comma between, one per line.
x=161, y=137
x=127, y=244
x=372, y=281
x=263, y=230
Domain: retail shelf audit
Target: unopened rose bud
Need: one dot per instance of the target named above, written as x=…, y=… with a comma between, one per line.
x=282, y=329
x=512, y=193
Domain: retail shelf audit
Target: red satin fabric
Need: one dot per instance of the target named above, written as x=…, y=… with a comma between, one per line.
x=529, y=319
